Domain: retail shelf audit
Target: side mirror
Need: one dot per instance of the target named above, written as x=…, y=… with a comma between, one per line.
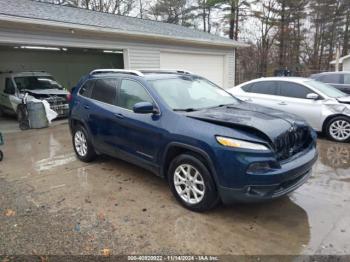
x=312, y=96
x=144, y=108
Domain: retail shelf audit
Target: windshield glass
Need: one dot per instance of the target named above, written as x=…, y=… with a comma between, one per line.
x=326, y=89
x=36, y=82
x=188, y=92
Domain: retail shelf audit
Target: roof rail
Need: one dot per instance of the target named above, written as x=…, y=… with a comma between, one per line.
x=122, y=71
x=166, y=71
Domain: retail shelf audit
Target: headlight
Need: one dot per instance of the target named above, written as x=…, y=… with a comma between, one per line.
x=236, y=143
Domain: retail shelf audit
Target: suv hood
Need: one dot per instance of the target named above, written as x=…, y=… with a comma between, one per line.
x=267, y=123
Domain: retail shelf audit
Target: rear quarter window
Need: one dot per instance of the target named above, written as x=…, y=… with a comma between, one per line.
x=86, y=89
x=247, y=87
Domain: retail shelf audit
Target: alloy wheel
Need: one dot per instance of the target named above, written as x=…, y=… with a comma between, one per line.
x=80, y=143
x=189, y=184
x=340, y=130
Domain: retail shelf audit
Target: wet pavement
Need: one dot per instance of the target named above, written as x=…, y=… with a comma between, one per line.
x=51, y=203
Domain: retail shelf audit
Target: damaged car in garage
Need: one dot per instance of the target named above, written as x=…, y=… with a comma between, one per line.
x=38, y=85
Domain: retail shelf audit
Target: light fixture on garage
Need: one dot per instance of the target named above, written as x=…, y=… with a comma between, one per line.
x=113, y=51
x=41, y=48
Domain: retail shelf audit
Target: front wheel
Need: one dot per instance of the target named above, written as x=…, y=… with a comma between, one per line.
x=338, y=129
x=82, y=145
x=192, y=184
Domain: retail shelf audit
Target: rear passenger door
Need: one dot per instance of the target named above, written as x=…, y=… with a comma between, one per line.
x=140, y=134
x=262, y=93
x=101, y=110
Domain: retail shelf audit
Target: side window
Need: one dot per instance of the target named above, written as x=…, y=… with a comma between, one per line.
x=131, y=92
x=264, y=87
x=86, y=89
x=293, y=90
x=9, y=87
x=247, y=88
x=105, y=90
x=332, y=79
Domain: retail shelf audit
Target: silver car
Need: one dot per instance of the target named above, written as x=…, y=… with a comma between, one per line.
x=324, y=107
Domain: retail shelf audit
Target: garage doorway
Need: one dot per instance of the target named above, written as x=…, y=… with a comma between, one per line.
x=67, y=65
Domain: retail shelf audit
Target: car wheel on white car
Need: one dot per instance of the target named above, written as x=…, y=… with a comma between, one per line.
x=338, y=129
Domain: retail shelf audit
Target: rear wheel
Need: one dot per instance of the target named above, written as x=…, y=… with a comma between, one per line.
x=1, y=156
x=191, y=183
x=338, y=129
x=82, y=145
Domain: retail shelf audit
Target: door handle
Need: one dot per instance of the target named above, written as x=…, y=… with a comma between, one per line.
x=282, y=103
x=248, y=100
x=118, y=115
x=86, y=107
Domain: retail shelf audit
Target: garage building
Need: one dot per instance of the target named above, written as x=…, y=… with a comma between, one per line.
x=69, y=42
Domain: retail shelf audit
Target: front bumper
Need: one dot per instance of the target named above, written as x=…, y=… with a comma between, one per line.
x=274, y=184
x=62, y=110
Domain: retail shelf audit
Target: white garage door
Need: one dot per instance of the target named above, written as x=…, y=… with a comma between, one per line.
x=208, y=66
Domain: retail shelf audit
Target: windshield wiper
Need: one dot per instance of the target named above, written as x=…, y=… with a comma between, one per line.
x=185, y=110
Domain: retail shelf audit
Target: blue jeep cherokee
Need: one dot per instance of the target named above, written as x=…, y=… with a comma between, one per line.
x=209, y=145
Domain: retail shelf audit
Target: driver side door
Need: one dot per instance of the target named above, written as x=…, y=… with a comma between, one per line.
x=140, y=134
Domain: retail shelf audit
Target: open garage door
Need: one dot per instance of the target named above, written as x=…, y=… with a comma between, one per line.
x=208, y=66
x=65, y=64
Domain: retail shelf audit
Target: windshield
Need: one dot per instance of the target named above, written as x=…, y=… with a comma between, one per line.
x=36, y=82
x=191, y=93
x=326, y=89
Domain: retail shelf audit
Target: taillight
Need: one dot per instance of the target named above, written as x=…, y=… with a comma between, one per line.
x=69, y=96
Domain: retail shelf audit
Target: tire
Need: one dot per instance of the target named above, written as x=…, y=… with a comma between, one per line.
x=1, y=156
x=178, y=180
x=338, y=129
x=82, y=145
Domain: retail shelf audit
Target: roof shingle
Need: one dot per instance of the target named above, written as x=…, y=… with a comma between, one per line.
x=50, y=12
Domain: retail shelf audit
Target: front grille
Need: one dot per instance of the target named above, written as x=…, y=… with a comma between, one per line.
x=292, y=142
x=59, y=105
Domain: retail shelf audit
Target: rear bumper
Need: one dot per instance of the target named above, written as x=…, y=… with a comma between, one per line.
x=273, y=185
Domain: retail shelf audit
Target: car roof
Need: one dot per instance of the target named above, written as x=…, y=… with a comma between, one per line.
x=332, y=73
x=147, y=76
x=282, y=78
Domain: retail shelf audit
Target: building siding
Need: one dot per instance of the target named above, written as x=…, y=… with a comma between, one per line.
x=137, y=54
x=146, y=58
x=346, y=65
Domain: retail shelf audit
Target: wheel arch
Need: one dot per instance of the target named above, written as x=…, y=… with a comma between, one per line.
x=175, y=149
x=73, y=122
x=329, y=118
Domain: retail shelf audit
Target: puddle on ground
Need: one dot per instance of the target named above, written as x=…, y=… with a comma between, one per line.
x=145, y=218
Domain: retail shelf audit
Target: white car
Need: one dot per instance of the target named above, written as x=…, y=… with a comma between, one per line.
x=40, y=85
x=324, y=107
